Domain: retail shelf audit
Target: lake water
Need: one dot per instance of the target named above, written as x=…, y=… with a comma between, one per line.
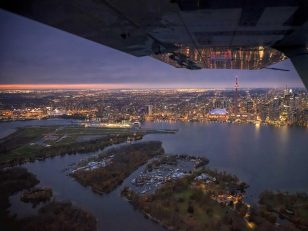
x=267, y=158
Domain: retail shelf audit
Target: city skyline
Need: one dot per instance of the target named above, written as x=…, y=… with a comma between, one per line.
x=35, y=55
x=117, y=115
x=274, y=107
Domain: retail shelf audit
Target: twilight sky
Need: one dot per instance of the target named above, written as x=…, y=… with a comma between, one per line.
x=33, y=53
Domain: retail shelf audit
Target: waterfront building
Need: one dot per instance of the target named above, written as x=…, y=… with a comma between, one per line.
x=218, y=114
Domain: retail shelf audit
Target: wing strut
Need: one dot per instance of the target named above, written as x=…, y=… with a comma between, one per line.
x=299, y=58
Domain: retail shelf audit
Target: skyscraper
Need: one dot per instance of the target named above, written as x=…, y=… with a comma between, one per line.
x=235, y=109
x=149, y=110
x=274, y=109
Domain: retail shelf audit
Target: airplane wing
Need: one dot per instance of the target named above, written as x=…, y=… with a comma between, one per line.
x=193, y=34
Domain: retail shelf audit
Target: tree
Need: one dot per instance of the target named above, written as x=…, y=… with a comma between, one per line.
x=190, y=208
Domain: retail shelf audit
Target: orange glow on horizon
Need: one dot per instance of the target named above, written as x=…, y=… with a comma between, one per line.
x=68, y=86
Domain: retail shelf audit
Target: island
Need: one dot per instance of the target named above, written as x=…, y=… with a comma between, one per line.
x=36, y=195
x=59, y=216
x=41, y=142
x=107, y=170
x=52, y=216
x=13, y=180
x=183, y=194
x=180, y=192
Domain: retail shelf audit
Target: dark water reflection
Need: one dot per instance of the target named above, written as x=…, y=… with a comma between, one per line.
x=267, y=158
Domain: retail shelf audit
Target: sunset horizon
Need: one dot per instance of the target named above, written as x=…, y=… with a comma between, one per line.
x=107, y=86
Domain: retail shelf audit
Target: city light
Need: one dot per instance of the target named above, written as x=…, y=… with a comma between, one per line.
x=120, y=108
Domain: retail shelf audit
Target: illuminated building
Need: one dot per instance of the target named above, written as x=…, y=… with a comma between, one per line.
x=275, y=109
x=235, y=110
x=249, y=106
x=150, y=110
x=218, y=114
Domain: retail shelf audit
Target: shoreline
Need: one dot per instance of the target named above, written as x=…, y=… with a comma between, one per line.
x=30, y=143
x=79, y=121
